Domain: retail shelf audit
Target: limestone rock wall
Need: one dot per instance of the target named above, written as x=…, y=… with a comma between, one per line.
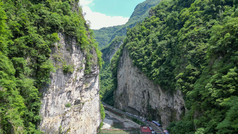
x=139, y=95
x=70, y=103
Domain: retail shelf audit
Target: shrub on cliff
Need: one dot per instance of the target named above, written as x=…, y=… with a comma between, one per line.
x=192, y=46
x=28, y=30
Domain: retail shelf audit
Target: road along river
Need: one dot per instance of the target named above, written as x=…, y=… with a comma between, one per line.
x=158, y=130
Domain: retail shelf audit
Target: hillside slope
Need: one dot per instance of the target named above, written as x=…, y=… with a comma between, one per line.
x=117, y=35
x=105, y=35
x=189, y=46
x=30, y=33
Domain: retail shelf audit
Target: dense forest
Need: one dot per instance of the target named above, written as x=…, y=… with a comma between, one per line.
x=105, y=36
x=28, y=31
x=187, y=45
x=191, y=46
x=110, y=39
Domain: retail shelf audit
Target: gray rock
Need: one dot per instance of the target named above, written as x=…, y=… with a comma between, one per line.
x=139, y=95
x=70, y=103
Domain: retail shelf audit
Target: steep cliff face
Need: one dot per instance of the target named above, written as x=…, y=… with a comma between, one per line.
x=109, y=51
x=70, y=103
x=137, y=94
x=110, y=39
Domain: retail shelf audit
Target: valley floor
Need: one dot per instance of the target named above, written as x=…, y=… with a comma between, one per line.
x=118, y=124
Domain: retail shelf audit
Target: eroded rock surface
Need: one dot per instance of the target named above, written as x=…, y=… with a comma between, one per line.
x=70, y=103
x=139, y=95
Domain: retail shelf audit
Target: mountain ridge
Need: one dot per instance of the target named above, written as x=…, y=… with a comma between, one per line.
x=115, y=40
x=189, y=47
x=105, y=35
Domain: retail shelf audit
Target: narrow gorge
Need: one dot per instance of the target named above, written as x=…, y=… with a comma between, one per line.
x=171, y=67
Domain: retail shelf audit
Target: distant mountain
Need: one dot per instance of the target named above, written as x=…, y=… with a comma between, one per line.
x=111, y=48
x=142, y=11
x=105, y=35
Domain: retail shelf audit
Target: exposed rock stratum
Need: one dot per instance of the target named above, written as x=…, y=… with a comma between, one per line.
x=139, y=95
x=71, y=103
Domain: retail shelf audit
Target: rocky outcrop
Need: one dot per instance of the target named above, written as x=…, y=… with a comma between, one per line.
x=139, y=95
x=70, y=103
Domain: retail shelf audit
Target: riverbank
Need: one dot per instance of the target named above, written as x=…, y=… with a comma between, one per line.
x=117, y=124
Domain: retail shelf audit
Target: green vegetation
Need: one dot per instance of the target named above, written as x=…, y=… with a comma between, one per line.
x=111, y=49
x=68, y=105
x=139, y=122
x=107, y=82
x=108, y=78
x=28, y=31
x=107, y=86
x=102, y=112
x=141, y=12
x=105, y=35
x=68, y=69
x=110, y=39
x=191, y=46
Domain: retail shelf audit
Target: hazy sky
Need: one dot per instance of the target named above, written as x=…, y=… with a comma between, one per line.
x=105, y=13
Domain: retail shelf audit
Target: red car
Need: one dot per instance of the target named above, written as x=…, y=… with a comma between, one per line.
x=145, y=130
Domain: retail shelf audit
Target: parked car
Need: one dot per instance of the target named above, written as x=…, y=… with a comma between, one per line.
x=157, y=124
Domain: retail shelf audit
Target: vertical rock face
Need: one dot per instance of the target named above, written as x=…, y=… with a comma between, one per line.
x=70, y=103
x=109, y=51
x=139, y=95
